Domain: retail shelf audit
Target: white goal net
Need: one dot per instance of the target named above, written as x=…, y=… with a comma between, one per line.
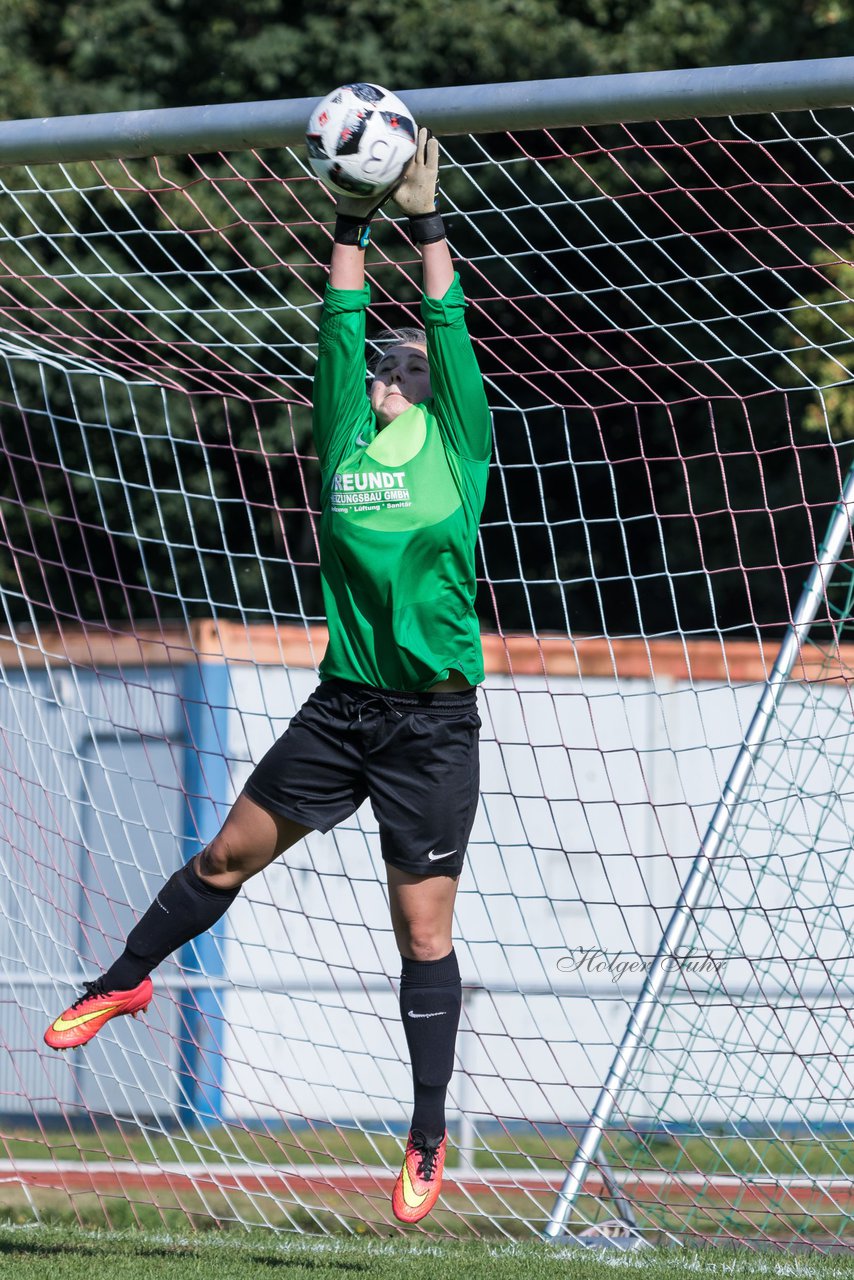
x=662, y=312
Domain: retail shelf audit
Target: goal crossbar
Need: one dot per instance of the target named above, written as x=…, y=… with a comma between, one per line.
x=529, y=104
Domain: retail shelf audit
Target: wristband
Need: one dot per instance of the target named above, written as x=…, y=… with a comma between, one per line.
x=355, y=231
x=426, y=228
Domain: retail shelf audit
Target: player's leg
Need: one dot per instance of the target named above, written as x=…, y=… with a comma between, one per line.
x=200, y=892
x=190, y=902
x=310, y=779
x=422, y=909
x=424, y=785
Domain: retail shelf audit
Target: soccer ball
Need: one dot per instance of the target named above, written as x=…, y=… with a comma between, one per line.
x=360, y=139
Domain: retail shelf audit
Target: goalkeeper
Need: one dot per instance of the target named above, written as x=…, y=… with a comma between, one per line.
x=394, y=718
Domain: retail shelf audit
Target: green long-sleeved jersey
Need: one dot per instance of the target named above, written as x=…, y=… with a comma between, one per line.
x=400, y=507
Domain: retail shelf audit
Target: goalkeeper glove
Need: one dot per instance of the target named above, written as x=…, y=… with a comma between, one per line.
x=415, y=194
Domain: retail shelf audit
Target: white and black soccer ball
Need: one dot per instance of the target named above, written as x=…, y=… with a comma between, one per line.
x=360, y=139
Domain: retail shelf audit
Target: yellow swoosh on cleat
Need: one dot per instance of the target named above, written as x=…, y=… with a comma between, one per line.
x=410, y=1197
x=62, y=1025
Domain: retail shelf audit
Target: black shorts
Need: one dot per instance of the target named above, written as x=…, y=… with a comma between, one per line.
x=415, y=755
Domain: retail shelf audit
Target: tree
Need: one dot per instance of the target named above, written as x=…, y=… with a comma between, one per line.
x=820, y=335
x=76, y=56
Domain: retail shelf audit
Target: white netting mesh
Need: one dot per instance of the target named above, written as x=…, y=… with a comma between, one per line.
x=662, y=313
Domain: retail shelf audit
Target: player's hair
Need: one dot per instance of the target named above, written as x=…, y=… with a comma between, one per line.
x=389, y=338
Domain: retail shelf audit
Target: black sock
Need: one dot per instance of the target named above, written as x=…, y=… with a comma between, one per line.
x=185, y=907
x=431, y=997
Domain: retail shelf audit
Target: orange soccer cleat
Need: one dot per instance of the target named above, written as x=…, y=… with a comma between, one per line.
x=90, y=1012
x=420, y=1180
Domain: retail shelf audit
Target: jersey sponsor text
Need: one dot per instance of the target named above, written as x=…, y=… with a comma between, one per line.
x=370, y=489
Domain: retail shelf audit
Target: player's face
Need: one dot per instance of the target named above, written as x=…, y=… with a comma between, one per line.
x=401, y=379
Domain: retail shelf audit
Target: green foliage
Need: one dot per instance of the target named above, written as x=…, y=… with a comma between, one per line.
x=234, y=272
x=823, y=324
x=107, y=55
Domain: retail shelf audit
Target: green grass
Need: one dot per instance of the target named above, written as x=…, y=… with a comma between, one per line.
x=73, y=1254
x=702, y=1212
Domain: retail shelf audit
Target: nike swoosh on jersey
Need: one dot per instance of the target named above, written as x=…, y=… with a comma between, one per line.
x=62, y=1025
x=410, y=1195
x=363, y=444
x=434, y=857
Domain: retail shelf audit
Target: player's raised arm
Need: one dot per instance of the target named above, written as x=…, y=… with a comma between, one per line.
x=341, y=408
x=458, y=393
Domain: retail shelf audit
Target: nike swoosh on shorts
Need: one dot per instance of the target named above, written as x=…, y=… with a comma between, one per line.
x=434, y=857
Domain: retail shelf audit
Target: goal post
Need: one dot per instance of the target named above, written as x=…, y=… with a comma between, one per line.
x=661, y=295
x=813, y=599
